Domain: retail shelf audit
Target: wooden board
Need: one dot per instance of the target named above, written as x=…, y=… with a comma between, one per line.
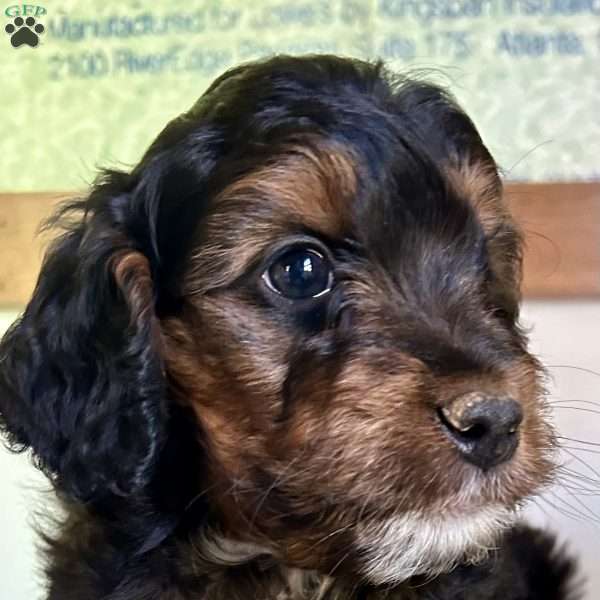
x=561, y=222
x=21, y=248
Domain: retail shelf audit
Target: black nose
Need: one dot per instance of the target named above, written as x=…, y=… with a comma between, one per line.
x=484, y=428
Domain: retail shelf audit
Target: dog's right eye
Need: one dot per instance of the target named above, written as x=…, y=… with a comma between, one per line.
x=299, y=274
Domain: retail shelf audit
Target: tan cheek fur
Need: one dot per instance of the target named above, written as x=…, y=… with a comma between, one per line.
x=230, y=371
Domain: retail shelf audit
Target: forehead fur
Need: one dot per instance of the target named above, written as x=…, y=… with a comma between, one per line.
x=343, y=151
x=310, y=183
x=399, y=213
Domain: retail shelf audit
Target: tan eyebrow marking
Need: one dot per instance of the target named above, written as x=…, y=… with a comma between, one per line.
x=310, y=185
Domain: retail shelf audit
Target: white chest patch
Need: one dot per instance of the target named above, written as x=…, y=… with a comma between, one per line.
x=415, y=543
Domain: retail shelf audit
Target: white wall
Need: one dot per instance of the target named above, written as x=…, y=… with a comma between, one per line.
x=566, y=334
x=21, y=491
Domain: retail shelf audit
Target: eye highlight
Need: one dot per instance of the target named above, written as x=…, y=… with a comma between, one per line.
x=299, y=273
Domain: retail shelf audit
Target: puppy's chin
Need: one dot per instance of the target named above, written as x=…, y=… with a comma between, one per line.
x=429, y=544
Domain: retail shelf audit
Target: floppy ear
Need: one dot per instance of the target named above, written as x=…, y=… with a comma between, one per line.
x=81, y=376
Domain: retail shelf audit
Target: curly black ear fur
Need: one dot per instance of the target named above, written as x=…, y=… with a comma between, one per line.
x=81, y=373
x=81, y=379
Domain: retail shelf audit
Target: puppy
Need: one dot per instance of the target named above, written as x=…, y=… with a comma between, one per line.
x=281, y=357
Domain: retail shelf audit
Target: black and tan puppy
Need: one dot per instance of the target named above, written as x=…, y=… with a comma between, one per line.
x=281, y=358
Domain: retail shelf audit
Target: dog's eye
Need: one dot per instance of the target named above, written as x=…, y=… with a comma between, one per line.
x=299, y=274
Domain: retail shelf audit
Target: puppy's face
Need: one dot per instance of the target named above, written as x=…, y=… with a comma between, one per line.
x=341, y=319
x=316, y=262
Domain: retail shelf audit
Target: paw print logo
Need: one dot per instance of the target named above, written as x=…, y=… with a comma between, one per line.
x=24, y=31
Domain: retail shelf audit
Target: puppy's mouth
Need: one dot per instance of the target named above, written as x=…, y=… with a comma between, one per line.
x=464, y=528
x=415, y=543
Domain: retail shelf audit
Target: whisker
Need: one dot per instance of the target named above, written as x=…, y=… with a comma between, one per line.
x=524, y=156
x=582, y=369
x=589, y=450
x=561, y=510
x=580, y=491
x=578, y=478
x=570, y=439
x=535, y=502
x=582, y=462
x=329, y=535
x=594, y=517
x=578, y=400
x=579, y=408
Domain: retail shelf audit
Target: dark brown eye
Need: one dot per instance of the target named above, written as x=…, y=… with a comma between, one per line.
x=299, y=274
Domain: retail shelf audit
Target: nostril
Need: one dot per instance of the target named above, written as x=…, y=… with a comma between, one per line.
x=484, y=428
x=473, y=431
